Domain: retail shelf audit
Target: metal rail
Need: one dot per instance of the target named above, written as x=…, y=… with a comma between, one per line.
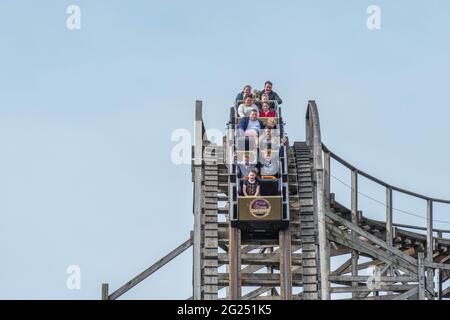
x=378, y=181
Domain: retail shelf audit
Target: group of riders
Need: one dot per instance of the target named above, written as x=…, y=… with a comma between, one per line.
x=251, y=108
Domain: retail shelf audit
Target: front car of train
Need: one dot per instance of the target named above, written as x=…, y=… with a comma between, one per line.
x=260, y=216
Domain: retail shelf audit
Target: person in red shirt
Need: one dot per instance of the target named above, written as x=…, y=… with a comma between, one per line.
x=266, y=112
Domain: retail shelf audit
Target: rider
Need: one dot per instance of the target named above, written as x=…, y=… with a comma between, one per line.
x=272, y=94
x=245, y=108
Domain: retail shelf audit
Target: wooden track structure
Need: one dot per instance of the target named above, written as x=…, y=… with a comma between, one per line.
x=407, y=264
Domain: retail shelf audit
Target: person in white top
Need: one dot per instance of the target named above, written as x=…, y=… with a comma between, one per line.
x=245, y=108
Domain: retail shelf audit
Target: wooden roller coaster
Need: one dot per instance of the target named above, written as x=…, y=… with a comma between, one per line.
x=298, y=265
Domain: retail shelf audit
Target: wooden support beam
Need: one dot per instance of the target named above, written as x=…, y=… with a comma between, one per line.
x=235, y=264
x=421, y=273
x=285, y=265
x=383, y=297
x=389, y=217
x=259, y=279
x=327, y=180
x=389, y=223
x=346, y=239
x=256, y=293
x=394, y=279
x=198, y=176
x=105, y=291
x=342, y=268
x=263, y=259
x=430, y=272
x=436, y=265
x=439, y=284
x=396, y=252
x=354, y=210
x=407, y=294
x=446, y=293
x=152, y=269
x=358, y=289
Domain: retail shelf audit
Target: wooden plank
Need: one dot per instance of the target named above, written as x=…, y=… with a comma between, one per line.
x=210, y=194
x=260, y=279
x=310, y=287
x=211, y=263
x=261, y=258
x=210, y=272
x=305, y=255
x=306, y=218
x=234, y=281
x=309, y=271
x=210, y=280
x=211, y=243
x=436, y=265
x=210, y=206
x=285, y=265
x=342, y=268
x=372, y=238
x=396, y=288
x=308, y=232
x=421, y=273
x=209, y=253
x=407, y=294
x=308, y=239
x=354, y=210
x=327, y=175
x=210, y=289
x=211, y=233
x=310, y=296
x=307, y=225
x=198, y=201
x=389, y=217
x=346, y=239
x=306, y=209
x=211, y=212
x=309, y=279
x=152, y=269
x=210, y=296
x=394, y=279
x=256, y=293
x=211, y=226
x=308, y=247
x=430, y=273
x=105, y=289
x=209, y=219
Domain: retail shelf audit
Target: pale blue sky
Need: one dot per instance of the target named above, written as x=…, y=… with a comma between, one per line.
x=86, y=118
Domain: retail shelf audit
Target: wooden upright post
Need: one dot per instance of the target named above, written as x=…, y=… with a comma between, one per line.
x=421, y=274
x=105, y=291
x=235, y=263
x=355, y=254
x=327, y=175
x=285, y=265
x=439, y=283
x=198, y=159
x=389, y=217
x=430, y=273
